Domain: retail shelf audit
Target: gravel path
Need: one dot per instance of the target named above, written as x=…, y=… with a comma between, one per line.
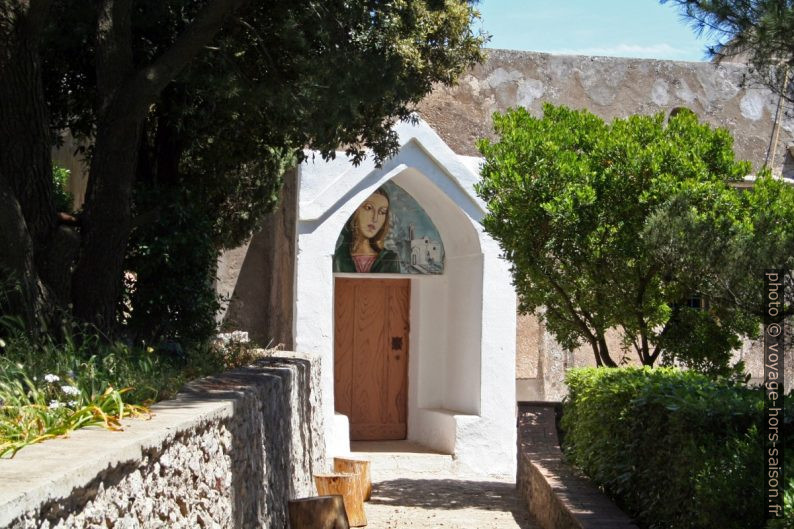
x=429, y=502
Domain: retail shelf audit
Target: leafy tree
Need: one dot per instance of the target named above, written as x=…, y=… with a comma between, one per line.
x=206, y=102
x=616, y=225
x=726, y=245
x=757, y=30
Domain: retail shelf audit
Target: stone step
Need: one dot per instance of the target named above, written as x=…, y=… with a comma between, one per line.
x=401, y=458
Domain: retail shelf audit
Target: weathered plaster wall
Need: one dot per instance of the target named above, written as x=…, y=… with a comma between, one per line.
x=609, y=87
x=227, y=452
x=257, y=279
x=528, y=336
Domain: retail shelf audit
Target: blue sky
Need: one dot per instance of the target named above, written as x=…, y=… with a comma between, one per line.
x=623, y=28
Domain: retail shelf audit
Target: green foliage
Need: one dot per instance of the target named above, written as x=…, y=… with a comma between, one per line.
x=726, y=241
x=321, y=73
x=698, y=341
x=63, y=198
x=170, y=280
x=787, y=521
x=758, y=31
x=49, y=388
x=278, y=78
x=616, y=225
x=674, y=448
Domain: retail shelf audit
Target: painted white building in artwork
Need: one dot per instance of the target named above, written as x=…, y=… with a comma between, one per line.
x=425, y=253
x=442, y=371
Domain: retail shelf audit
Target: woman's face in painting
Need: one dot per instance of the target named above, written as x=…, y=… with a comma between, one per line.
x=371, y=215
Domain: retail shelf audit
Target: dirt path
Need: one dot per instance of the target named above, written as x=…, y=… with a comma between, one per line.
x=405, y=495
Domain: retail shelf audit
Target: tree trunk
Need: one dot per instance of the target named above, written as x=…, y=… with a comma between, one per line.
x=604, y=351
x=348, y=486
x=97, y=279
x=124, y=99
x=596, y=353
x=21, y=292
x=318, y=512
x=26, y=189
x=37, y=253
x=601, y=352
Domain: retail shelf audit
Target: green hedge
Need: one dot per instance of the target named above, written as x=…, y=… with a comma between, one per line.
x=674, y=448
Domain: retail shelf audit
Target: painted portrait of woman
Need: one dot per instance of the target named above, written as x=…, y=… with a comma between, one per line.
x=362, y=246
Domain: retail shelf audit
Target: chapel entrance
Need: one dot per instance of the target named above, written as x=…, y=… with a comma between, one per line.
x=371, y=356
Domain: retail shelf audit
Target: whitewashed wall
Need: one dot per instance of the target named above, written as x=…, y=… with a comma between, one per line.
x=462, y=344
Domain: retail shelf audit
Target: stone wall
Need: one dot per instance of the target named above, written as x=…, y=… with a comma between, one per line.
x=610, y=87
x=721, y=95
x=557, y=495
x=257, y=279
x=229, y=451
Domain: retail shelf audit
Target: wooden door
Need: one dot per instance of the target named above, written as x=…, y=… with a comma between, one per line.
x=371, y=356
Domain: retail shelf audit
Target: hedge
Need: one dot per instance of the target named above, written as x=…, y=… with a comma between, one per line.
x=673, y=448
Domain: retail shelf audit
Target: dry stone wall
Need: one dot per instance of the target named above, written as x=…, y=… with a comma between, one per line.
x=229, y=451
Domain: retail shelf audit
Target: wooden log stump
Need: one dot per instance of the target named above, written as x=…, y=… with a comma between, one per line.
x=318, y=512
x=346, y=485
x=359, y=467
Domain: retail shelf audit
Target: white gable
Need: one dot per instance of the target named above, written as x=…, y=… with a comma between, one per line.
x=327, y=184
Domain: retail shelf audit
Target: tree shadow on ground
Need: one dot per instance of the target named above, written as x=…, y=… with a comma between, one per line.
x=453, y=494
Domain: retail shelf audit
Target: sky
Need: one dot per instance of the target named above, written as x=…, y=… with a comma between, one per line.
x=620, y=28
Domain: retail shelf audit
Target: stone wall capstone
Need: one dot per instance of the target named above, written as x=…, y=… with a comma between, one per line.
x=229, y=451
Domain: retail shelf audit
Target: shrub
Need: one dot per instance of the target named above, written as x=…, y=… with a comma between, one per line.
x=674, y=448
x=170, y=290
x=60, y=180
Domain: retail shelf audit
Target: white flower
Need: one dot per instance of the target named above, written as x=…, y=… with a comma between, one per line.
x=2, y=343
x=234, y=336
x=54, y=404
x=51, y=378
x=70, y=390
x=72, y=403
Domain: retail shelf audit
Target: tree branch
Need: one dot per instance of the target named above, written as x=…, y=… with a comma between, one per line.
x=152, y=79
x=582, y=324
x=114, y=49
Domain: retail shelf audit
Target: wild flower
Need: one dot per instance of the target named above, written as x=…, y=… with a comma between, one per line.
x=49, y=377
x=70, y=390
x=54, y=404
x=73, y=403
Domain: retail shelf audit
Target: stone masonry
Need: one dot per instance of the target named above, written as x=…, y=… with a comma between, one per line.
x=229, y=451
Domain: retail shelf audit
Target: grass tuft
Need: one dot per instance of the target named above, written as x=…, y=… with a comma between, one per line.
x=49, y=388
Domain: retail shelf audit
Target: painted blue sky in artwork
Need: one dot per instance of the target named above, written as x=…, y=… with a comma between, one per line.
x=618, y=28
x=405, y=211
